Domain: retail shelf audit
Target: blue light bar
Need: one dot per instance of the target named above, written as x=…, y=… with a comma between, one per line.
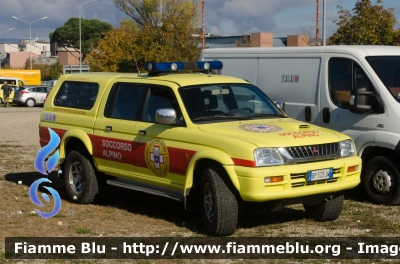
x=183, y=66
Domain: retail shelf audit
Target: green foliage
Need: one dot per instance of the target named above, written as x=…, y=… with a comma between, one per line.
x=92, y=31
x=47, y=72
x=149, y=37
x=366, y=24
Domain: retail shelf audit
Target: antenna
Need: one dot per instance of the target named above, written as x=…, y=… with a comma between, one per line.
x=134, y=59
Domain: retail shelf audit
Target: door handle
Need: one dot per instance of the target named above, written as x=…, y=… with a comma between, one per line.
x=326, y=115
x=108, y=128
x=142, y=132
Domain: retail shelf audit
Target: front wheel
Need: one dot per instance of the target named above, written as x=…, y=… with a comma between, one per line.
x=381, y=180
x=219, y=207
x=30, y=102
x=80, y=178
x=327, y=210
x=1, y=100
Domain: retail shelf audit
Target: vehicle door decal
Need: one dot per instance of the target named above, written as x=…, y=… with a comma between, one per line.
x=157, y=157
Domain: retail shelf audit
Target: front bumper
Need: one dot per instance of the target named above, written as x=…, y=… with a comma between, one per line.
x=253, y=189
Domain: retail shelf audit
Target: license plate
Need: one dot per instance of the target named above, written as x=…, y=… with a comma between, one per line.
x=319, y=175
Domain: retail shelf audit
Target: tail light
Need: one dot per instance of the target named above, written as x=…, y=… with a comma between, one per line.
x=23, y=92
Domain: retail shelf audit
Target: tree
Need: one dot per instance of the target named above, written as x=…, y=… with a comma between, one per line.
x=366, y=24
x=92, y=31
x=47, y=72
x=152, y=37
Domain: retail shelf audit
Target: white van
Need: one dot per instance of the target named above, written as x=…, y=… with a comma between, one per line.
x=352, y=89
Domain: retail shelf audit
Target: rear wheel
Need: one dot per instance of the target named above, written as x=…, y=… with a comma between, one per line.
x=219, y=207
x=30, y=102
x=381, y=180
x=1, y=100
x=327, y=210
x=80, y=178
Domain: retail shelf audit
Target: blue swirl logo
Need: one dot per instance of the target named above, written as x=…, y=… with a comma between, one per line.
x=40, y=160
x=35, y=199
x=45, y=151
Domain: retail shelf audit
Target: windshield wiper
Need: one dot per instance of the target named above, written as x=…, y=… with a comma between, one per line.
x=201, y=118
x=267, y=115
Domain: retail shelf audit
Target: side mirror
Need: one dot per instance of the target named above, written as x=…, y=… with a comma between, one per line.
x=359, y=100
x=166, y=116
x=281, y=105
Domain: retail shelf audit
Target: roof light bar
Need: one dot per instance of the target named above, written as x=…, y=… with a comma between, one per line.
x=183, y=66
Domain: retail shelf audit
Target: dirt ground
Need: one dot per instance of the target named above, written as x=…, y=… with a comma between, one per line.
x=125, y=213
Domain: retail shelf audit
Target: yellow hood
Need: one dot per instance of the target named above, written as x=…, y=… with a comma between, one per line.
x=283, y=132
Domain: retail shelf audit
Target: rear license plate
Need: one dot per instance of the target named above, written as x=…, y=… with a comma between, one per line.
x=319, y=175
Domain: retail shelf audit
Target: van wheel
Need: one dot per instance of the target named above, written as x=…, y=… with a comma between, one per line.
x=1, y=100
x=327, y=210
x=219, y=207
x=80, y=178
x=381, y=180
x=30, y=102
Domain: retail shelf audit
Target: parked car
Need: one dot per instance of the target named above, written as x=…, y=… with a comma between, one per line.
x=51, y=83
x=30, y=96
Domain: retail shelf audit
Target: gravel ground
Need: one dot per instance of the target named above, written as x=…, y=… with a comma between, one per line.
x=17, y=128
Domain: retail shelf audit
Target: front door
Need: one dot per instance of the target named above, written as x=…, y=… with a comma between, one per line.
x=342, y=75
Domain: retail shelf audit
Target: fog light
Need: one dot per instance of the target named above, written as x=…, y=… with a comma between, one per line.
x=352, y=168
x=273, y=179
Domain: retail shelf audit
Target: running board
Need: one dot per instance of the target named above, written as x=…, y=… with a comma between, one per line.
x=147, y=188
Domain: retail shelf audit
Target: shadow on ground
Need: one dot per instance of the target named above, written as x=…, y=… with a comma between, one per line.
x=169, y=210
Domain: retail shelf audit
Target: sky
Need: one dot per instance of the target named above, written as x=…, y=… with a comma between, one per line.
x=222, y=17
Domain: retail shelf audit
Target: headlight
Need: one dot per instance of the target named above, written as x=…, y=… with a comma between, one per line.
x=347, y=148
x=267, y=157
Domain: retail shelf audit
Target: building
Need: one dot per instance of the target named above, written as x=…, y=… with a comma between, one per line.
x=260, y=39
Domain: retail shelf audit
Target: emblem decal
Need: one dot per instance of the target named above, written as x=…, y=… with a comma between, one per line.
x=315, y=150
x=260, y=128
x=156, y=157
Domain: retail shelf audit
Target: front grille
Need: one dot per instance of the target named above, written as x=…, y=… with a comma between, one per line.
x=300, y=179
x=330, y=149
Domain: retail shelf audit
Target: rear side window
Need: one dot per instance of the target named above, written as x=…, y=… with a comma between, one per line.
x=77, y=95
x=123, y=101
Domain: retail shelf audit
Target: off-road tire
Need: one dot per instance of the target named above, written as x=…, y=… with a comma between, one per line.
x=380, y=168
x=218, y=203
x=80, y=178
x=326, y=211
x=30, y=102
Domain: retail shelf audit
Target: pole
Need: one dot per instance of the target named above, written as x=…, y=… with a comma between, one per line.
x=317, y=26
x=324, y=21
x=80, y=32
x=202, y=23
x=80, y=41
x=30, y=34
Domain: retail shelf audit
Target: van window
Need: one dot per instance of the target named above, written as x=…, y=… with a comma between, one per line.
x=77, y=95
x=344, y=76
x=388, y=70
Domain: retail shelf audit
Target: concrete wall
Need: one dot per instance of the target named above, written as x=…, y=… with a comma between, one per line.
x=68, y=57
x=298, y=40
x=262, y=39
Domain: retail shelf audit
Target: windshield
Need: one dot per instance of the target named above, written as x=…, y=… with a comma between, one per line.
x=388, y=70
x=227, y=101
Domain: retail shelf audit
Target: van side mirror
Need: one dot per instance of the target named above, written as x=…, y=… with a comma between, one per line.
x=281, y=105
x=359, y=101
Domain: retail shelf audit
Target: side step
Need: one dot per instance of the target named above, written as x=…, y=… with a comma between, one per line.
x=147, y=188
